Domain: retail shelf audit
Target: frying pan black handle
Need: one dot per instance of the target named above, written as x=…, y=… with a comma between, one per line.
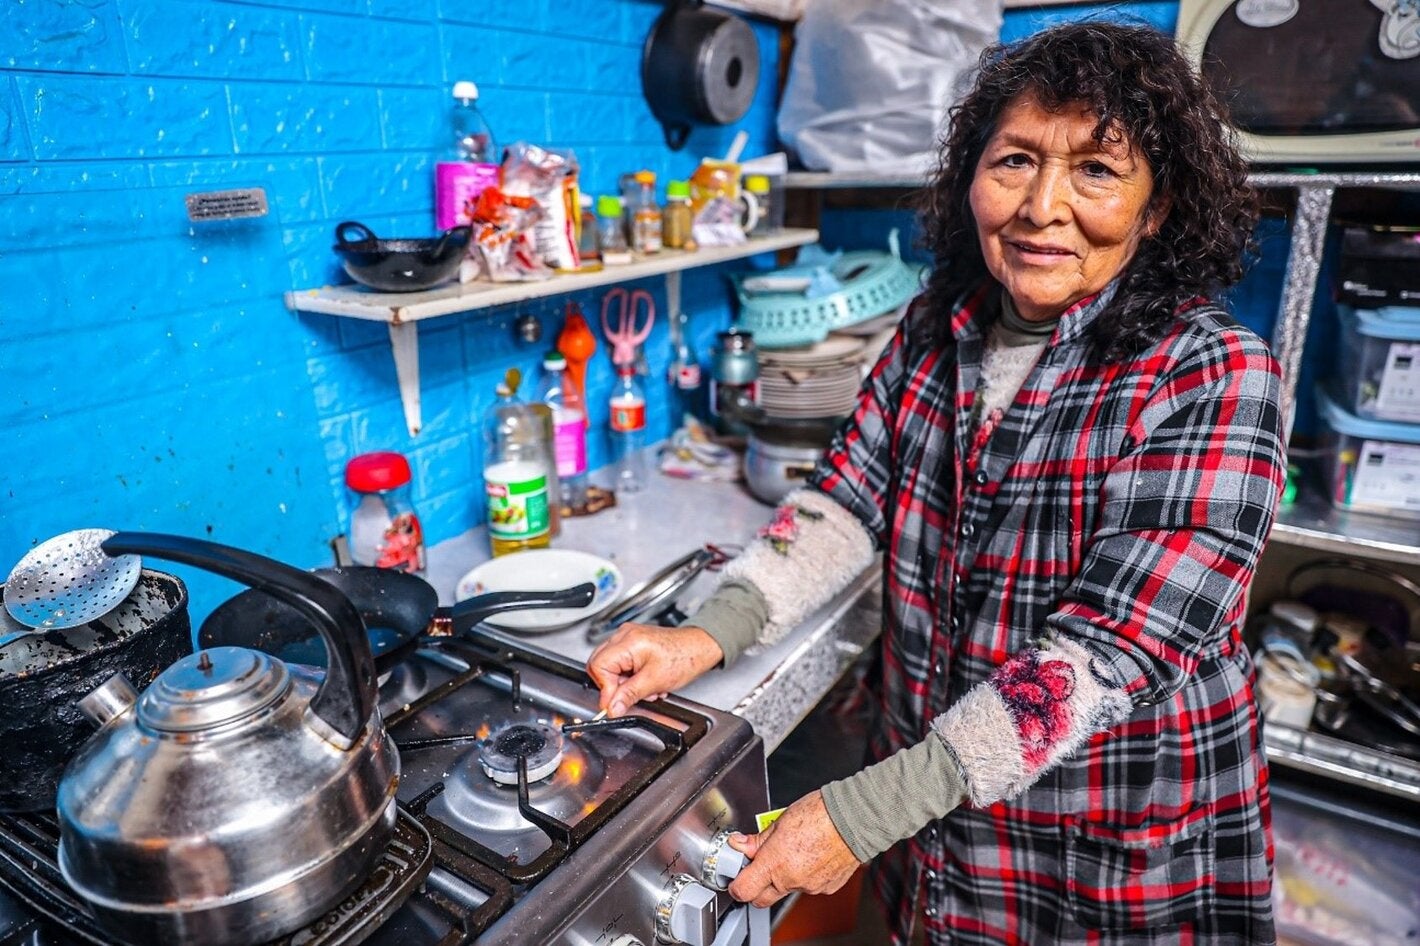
x=361, y=231
x=470, y=611
x=346, y=697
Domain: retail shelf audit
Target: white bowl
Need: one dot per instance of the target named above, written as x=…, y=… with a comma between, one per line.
x=543, y=570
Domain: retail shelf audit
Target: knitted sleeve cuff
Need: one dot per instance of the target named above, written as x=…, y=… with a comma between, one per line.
x=885, y=803
x=810, y=552
x=1038, y=707
x=734, y=615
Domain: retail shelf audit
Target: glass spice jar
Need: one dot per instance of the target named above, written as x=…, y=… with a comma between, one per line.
x=676, y=216
x=384, y=528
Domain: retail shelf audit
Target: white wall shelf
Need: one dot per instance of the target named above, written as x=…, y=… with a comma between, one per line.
x=842, y=180
x=403, y=310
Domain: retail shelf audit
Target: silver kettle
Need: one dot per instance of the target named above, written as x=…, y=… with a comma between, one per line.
x=234, y=801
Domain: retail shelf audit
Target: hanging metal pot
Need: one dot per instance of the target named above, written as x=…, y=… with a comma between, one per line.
x=699, y=66
x=234, y=801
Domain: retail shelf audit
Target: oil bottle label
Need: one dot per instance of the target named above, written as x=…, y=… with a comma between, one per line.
x=517, y=508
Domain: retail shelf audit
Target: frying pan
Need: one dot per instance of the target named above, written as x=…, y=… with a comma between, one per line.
x=400, y=265
x=398, y=608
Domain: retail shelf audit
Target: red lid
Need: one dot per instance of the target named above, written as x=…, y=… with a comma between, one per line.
x=373, y=472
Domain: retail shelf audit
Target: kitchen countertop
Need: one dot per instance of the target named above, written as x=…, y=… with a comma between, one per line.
x=773, y=688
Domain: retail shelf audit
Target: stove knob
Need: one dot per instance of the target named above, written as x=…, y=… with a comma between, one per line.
x=722, y=863
x=686, y=913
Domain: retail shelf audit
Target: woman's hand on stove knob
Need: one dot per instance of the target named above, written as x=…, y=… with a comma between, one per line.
x=800, y=851
x=643, y=662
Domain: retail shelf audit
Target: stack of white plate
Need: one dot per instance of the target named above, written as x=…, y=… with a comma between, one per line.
x=820, y=380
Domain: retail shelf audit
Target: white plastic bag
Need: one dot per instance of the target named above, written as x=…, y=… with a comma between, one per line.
x=871, y=80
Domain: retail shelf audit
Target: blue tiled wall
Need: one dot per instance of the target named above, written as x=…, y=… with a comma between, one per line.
x=152, y=376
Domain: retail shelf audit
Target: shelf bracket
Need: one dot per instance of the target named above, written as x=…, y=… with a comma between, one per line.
x=404, y=342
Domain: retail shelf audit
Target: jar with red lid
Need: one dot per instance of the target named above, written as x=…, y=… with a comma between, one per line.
x=384, y=529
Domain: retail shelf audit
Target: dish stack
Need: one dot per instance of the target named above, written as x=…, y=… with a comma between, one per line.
x=818, y=381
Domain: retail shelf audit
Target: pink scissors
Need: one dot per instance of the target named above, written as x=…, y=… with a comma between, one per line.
x=627, y=334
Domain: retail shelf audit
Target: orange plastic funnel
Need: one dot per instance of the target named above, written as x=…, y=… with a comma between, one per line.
x=577, y=344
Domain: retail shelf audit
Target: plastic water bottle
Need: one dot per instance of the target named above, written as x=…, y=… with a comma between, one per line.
x=472, y=165
x=569, y=422
x=628, y=431
x=684, y=370
x=473, y=139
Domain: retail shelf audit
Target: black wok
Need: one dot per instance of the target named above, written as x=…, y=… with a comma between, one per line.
x=398, y=608
x=400, y=265
x=43, y=677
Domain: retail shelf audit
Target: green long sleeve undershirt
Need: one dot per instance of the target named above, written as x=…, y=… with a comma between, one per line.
x=884, y=803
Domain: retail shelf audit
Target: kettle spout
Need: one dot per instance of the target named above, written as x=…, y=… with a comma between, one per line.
x=114, y=697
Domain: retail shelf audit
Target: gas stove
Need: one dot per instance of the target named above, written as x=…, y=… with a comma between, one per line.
x=523, y=819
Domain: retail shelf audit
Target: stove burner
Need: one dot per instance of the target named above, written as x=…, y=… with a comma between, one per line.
x=538, y=743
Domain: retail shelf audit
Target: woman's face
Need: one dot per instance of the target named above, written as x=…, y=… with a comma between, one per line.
x=1058, y=215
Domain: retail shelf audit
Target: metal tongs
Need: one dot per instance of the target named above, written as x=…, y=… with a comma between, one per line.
x=1380, y=695
x=658, y=593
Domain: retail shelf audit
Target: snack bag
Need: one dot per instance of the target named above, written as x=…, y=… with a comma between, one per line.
x=549, y=177
x=502, y=248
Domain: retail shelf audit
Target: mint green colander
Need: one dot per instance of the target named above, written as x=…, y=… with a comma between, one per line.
x=873, y=281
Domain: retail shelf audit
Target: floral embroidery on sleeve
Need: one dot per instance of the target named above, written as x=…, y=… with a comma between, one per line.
x=1037, y=694
x=783, y=530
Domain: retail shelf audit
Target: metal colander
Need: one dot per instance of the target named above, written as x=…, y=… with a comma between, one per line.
x=69, y=580
x=874, y=282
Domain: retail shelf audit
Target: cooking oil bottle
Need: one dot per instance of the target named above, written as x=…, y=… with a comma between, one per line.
x=517, y=465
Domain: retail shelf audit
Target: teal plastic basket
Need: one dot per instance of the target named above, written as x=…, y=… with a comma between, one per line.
x=874, y=282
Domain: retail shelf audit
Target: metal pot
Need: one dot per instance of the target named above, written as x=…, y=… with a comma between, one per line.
x=780, y=455
x=234, y=801
x=43, y=677
x=699, y=66
x=399, y=265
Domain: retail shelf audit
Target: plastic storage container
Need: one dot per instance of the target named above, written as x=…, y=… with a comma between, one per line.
x=1380, y=362
x=384, y=528
x=1370, y=465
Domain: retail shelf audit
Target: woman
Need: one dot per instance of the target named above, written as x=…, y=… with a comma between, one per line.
x=1070, y=458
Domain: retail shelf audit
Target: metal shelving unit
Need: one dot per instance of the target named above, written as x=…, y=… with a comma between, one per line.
x=403, y=310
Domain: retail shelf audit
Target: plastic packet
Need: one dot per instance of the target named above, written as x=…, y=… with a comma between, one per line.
x=719, y=223
x=502, y=247
x=871, y=80
x=549, y=177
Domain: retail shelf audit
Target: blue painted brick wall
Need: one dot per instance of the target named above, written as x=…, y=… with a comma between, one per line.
x=152, y=377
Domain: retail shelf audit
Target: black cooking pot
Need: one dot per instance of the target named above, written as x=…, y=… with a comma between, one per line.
x=399, y=265
x=43, y=677
x=699, y=66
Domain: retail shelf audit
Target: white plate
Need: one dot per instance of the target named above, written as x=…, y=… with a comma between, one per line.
x=543, y=570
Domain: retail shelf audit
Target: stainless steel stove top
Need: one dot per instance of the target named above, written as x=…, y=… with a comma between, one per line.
x=546, y=826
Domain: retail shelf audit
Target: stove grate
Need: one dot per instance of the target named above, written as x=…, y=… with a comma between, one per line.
x=29, y=869
x=564, y=838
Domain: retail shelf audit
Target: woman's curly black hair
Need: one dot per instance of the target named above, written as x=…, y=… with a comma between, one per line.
x=1135, y=80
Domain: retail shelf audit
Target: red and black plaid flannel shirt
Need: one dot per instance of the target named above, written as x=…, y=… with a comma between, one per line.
x=1121, y=507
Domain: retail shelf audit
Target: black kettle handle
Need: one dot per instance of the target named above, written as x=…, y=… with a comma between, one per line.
x=346, y=697
x=362, y=233
x=470, y=611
